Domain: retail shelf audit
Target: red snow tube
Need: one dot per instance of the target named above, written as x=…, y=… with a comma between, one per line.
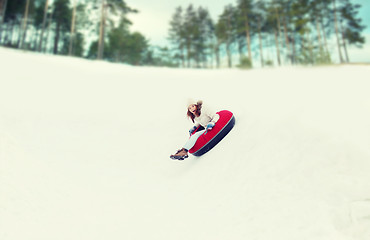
x=210, y=139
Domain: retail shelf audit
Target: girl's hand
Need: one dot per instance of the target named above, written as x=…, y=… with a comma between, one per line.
x=210, y=125
x=192, y=130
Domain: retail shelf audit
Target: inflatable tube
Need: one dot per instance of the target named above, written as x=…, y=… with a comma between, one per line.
x=210, y=139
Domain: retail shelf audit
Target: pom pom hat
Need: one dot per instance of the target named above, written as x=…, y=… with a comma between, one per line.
x=190, y=102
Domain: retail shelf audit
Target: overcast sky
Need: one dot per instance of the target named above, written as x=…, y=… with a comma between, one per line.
x=154, y=16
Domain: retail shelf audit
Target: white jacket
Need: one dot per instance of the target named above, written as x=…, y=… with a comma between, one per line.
x=207, y=115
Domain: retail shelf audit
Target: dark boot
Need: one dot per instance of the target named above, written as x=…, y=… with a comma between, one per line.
x=180, y=154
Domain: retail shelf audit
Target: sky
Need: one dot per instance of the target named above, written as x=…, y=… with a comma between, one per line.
x=154, y=17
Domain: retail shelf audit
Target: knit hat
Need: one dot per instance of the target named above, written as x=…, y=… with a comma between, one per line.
x=192, y=101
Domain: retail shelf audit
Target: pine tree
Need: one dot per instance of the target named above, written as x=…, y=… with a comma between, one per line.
x=204, y=26
x=245, y=14
x=3, y=6
x=62, y=18
x=176, y=34
x=337, y=34
x=350, y=26
x=72, y=33
x=45, y=8
x=111, y=8
x=260, y=16
x=190, y=30
x=226, y=30
x=317, y=15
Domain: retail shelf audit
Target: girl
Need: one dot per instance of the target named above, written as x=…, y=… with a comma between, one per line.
x=204, y=119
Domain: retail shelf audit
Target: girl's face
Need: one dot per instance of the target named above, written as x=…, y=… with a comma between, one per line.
x=192, y=108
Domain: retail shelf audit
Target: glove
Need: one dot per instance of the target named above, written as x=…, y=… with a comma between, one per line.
x=192, y=130
x=210, y=125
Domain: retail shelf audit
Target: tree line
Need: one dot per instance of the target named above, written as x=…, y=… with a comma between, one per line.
x=96, y=29
x=296, y=31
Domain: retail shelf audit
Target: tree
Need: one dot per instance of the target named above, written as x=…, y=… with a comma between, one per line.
x=73, y=24
x=176, y=34
x=62, y=18
x=245, y=7
x=350, y=26
x=25, y=24
x=337, y=31
x=3, y=6
x=136, y=46
x=190, y=31
x=202, y=36
x=271, y=28
x=317, y=13
x=261, y=25
x=46, y=7
x=79, y=22
x=226, y=30
x=12, y=18
x=116, y=47
x=111, y=8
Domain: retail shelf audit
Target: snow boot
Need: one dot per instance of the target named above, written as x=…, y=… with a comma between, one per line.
x=180, y=154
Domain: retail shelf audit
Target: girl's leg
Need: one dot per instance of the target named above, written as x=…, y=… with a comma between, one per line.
x=193, y=139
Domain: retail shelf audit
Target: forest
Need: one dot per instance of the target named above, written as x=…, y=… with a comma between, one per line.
x=247, y=33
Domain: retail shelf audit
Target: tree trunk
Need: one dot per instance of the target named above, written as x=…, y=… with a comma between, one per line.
x=47, y=33
x=277, y=47
x=344, y=41
x=43, y=25
x=217, y=53
x=260, y=42
x=293, y=50
x=319, y=36
x=228, y=53
x=101, y=33
x=56, y=39
x=240, y=49
x=287, y=43
x=337, y=32
x=25, y=24
x=310, y=48
x=325, y=39
x=3, y=10
x=278, y=25
x=9, y=28
x=182, y=57
x=188, y=53
x=34, y=40
x=72, y=34
x=248, y=37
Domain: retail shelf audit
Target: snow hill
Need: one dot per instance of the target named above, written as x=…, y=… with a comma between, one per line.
x=85, y=145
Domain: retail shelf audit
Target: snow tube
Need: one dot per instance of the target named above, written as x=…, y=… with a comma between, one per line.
x=210, y=139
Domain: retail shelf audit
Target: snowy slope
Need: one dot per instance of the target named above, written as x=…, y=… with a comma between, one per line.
x=85, y=145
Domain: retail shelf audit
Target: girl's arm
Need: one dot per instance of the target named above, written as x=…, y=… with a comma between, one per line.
x=212, y=115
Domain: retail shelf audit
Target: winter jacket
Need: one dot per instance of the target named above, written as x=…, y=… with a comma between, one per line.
x=207, y=115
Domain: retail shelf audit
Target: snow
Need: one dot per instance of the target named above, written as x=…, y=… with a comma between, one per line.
x=85, y=145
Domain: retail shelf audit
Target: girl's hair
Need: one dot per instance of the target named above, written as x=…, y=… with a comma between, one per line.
x=197, y=112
